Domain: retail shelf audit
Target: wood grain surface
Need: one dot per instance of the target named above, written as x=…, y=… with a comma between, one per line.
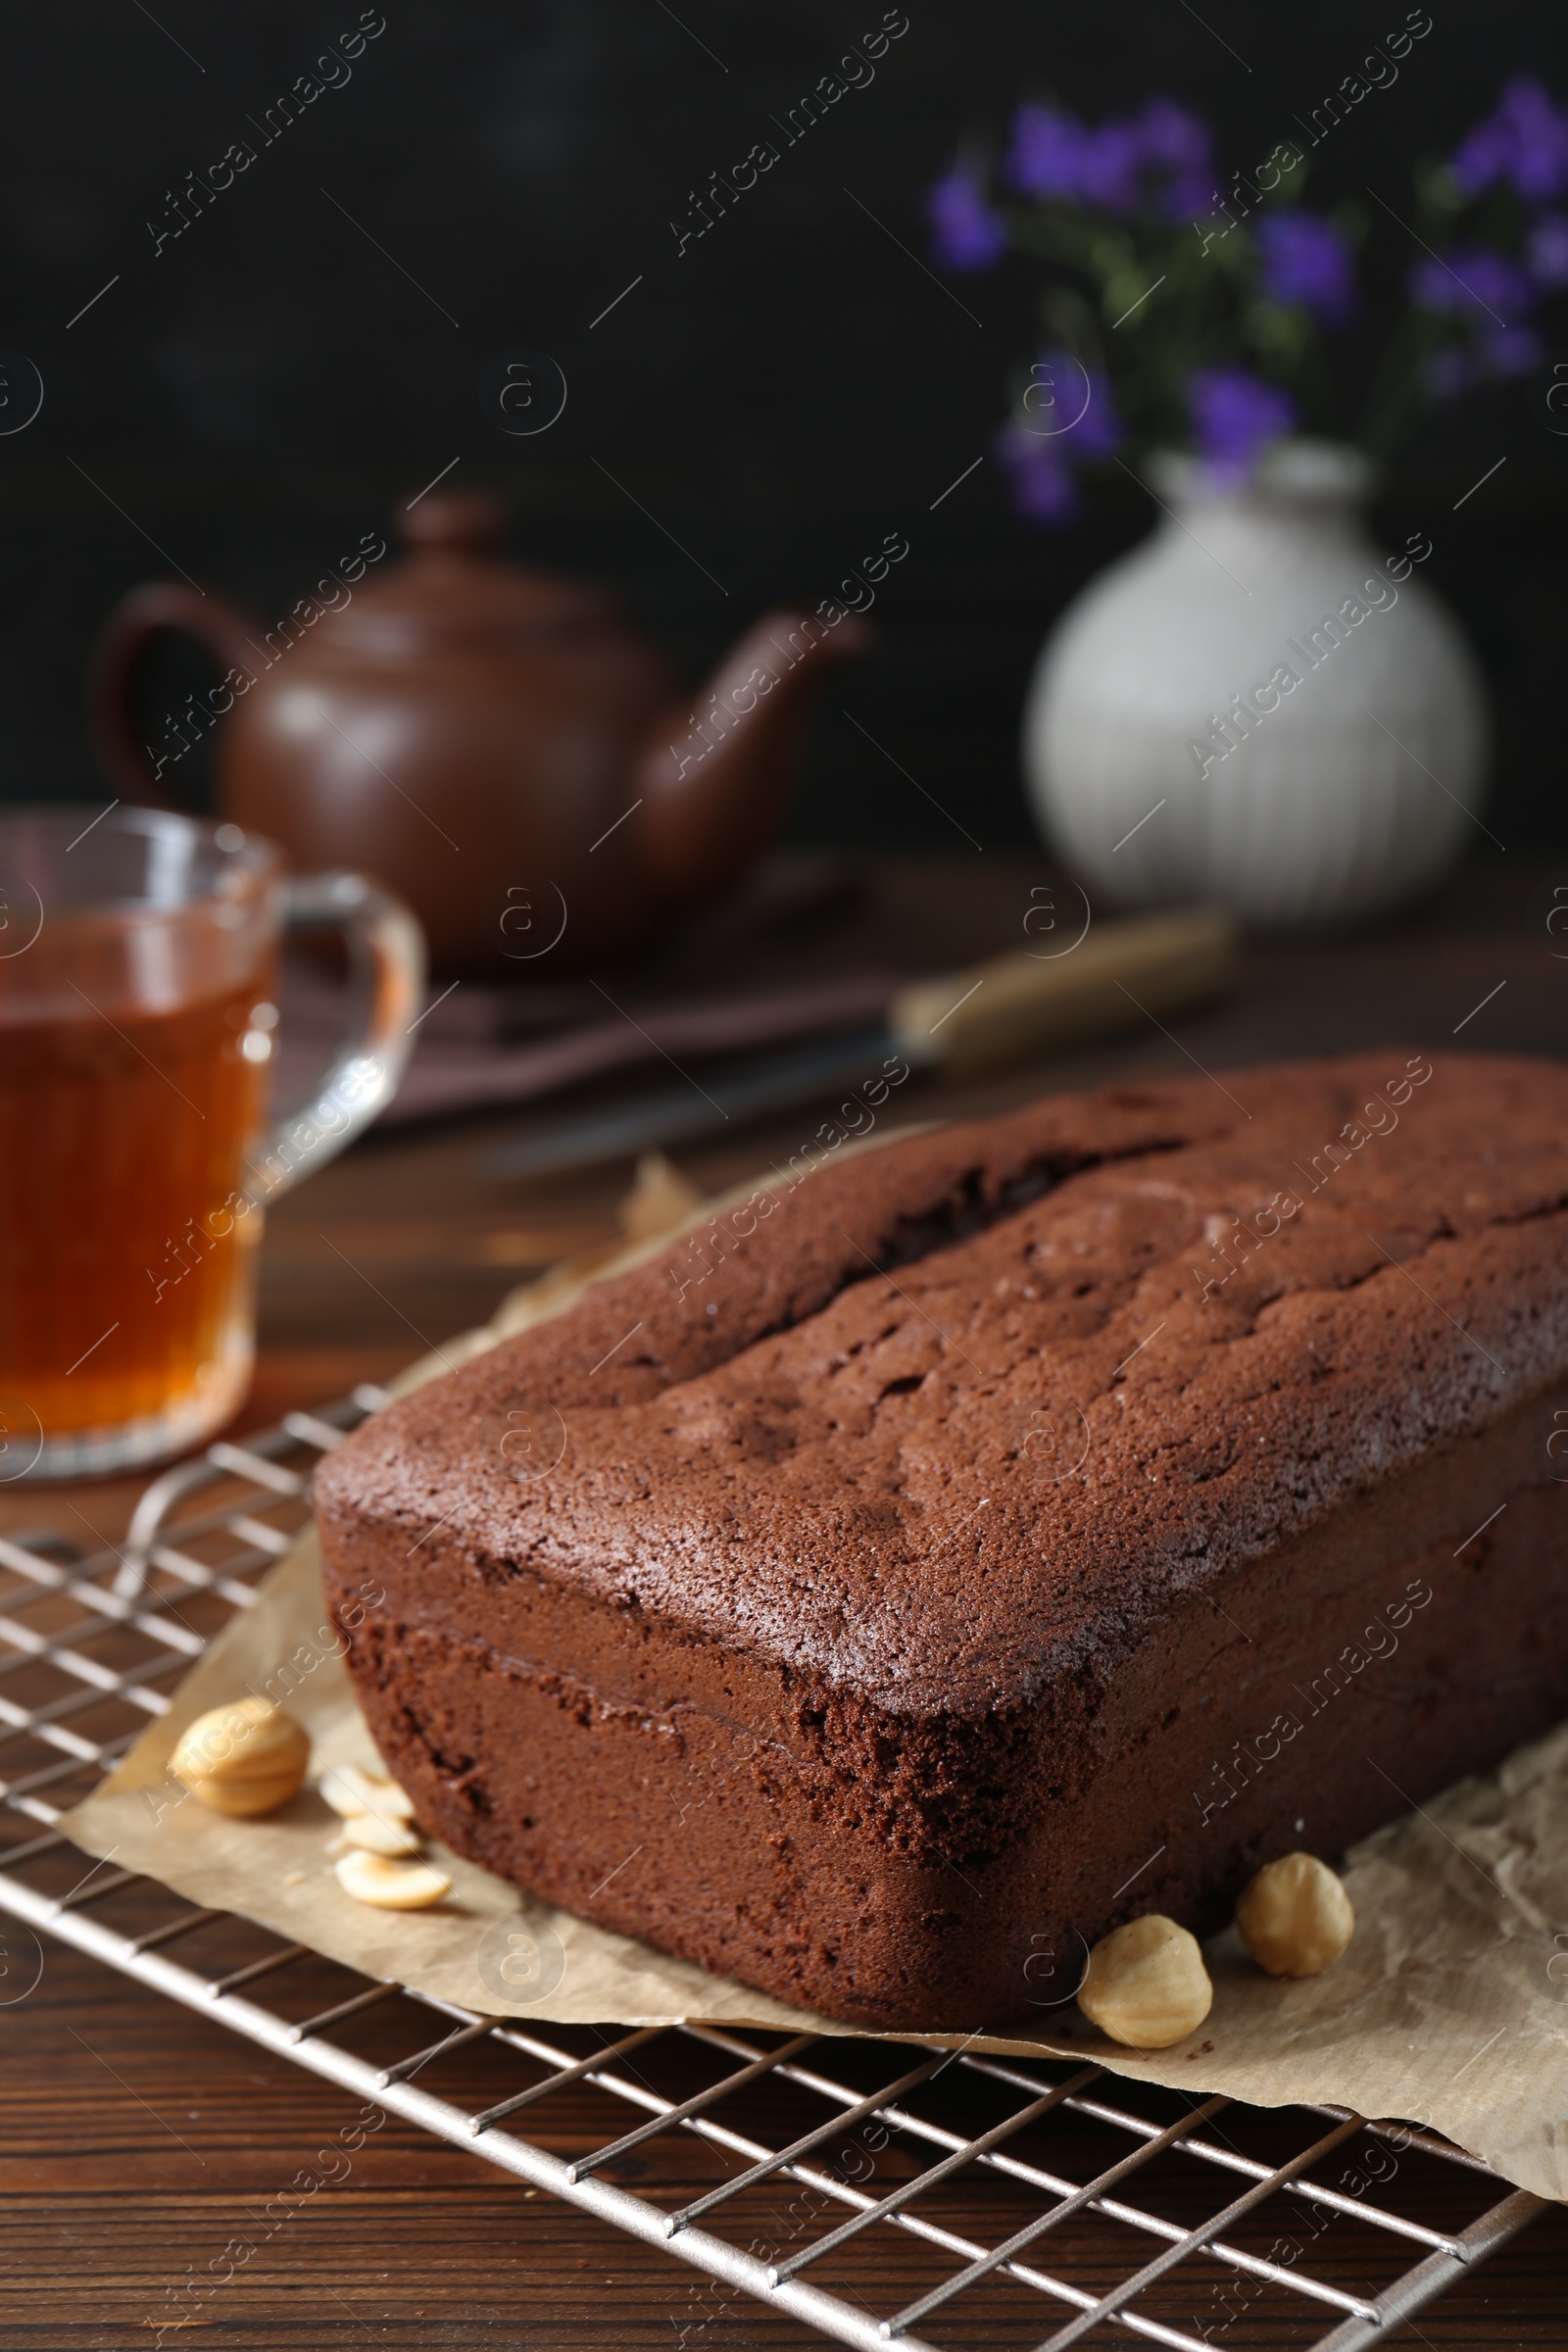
x=136, y=2139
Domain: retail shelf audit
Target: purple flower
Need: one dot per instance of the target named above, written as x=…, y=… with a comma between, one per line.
x=1179, y=146
x=1306, y=261
x=1173, y=139
x=1455, y=283
x=1043, y=487
x=1067, y=418
x=1547, y=254
x=1116, y=165
x=965, y=234
x=1113, y=164
x=1099, y=431
x=1234, y=416
x=1510, y=351
x=1499, y=351
x=1048, y=152
x=1068, y=402
x=1189, y=196
x=1524, y=140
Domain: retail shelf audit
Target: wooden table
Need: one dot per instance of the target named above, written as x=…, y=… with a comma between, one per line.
x=133, y=2137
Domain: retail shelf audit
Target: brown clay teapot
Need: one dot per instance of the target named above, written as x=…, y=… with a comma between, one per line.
x=500, y=746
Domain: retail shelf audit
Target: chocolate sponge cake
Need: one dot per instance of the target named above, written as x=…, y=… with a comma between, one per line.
x=980, y=1540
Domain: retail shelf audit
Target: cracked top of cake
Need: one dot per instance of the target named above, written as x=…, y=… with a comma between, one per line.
x=947, y=1417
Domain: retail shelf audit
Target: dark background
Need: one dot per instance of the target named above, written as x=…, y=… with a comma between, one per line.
x=795, y=387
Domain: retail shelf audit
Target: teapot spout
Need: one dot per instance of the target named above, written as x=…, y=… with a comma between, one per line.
x=714, y=779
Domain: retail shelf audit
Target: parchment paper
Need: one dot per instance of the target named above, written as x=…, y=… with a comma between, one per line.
x=1449, y=2009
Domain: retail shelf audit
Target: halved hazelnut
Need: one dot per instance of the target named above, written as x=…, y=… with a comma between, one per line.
x=390, y=1886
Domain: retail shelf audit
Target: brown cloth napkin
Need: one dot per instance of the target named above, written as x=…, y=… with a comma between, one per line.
x=747, y=975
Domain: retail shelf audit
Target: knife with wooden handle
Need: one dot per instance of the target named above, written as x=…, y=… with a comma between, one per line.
x=1120, y=975
x=1020, y=1004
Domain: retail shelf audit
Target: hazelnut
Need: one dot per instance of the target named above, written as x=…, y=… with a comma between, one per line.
x=1295, y=1918
x=350, y=1791
x=374, y=1835
x=390, y=1886
x=1147, y=1985
x=248, y=1757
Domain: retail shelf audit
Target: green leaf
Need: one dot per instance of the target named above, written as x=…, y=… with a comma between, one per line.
x=1439, y=192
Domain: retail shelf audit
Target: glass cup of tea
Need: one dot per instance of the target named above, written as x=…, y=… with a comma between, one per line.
x=138, y=986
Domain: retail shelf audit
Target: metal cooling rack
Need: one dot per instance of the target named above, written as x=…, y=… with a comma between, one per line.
x=987, y=2168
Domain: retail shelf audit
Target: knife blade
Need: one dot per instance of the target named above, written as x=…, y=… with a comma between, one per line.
x=1121, y=974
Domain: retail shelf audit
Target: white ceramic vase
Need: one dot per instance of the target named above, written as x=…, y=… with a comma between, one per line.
x=1257, y=709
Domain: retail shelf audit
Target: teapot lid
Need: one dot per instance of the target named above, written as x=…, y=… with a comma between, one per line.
x=455, y=587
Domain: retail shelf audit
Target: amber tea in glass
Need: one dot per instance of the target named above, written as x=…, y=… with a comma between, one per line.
x=137, y=1017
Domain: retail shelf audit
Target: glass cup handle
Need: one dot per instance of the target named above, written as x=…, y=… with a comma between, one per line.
x=386, y=948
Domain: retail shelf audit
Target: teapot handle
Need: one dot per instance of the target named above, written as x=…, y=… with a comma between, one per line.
x=157, y=610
